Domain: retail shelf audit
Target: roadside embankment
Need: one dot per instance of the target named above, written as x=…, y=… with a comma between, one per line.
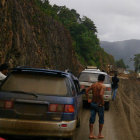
x=128, y=106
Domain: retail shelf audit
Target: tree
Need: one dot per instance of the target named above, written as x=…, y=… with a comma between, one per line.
x=83, y=32
x=89, y=24
x=137, y=62
x=120, y=64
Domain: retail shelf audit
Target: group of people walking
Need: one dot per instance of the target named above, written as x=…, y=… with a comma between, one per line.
x=97, y=103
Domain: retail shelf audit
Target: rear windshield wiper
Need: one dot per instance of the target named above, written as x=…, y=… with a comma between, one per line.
x=22, y=92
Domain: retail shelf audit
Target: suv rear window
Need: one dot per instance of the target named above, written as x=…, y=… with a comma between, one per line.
x=92, y=77
x=36, y=83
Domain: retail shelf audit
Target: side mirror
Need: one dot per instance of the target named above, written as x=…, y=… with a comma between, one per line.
x=83, y=91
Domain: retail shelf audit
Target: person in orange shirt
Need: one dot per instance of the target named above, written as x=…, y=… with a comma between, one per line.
x=97, y=105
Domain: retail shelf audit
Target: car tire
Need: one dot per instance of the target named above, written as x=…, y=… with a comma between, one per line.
x=106, y=105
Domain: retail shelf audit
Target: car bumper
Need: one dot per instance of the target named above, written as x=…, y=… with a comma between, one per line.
x=107, y=97
x=36, y=128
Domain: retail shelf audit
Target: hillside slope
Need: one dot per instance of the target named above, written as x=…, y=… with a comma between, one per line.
x=31, y=38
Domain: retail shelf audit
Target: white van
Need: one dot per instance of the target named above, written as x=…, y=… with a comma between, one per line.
x=88, y=77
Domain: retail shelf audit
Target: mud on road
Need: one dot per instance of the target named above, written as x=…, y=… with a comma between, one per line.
x=115, y=127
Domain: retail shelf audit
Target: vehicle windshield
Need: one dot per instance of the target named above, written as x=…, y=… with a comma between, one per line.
x=92, y=77
x=35, y=83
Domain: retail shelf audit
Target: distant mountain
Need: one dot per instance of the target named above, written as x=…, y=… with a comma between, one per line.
x=123, y=50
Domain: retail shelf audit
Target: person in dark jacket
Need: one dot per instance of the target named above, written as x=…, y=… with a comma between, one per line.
x=115, y=81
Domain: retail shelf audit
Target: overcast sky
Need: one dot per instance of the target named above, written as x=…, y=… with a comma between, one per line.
x=115, y=20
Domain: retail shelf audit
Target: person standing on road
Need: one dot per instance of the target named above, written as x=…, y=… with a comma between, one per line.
x=115, y=81
x=97, y=105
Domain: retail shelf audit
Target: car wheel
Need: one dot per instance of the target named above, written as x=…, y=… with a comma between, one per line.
x=106, y=105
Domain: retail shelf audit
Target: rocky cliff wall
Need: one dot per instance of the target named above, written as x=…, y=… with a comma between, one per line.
x=28, y=37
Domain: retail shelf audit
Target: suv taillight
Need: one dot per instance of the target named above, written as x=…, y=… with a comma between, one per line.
x=69, y=108
x=6, y=104
x=61, y=108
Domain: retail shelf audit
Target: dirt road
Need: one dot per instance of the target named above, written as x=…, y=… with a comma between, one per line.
x=122, y=121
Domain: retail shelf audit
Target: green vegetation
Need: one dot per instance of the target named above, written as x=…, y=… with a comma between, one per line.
x=137, y=62
x=83, y=32
x=120, y=64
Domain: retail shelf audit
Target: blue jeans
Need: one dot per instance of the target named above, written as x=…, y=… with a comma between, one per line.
x=94, y=109
x=114, y=93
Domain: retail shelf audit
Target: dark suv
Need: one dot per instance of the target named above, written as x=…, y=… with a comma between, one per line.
x=40, y=102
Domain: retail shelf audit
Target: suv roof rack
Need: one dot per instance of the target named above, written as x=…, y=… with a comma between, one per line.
x=91, y=67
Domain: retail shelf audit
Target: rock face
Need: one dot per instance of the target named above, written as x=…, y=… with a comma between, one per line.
x=28, y=37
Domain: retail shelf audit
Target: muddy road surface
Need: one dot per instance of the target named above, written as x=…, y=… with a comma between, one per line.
x=115, y=127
